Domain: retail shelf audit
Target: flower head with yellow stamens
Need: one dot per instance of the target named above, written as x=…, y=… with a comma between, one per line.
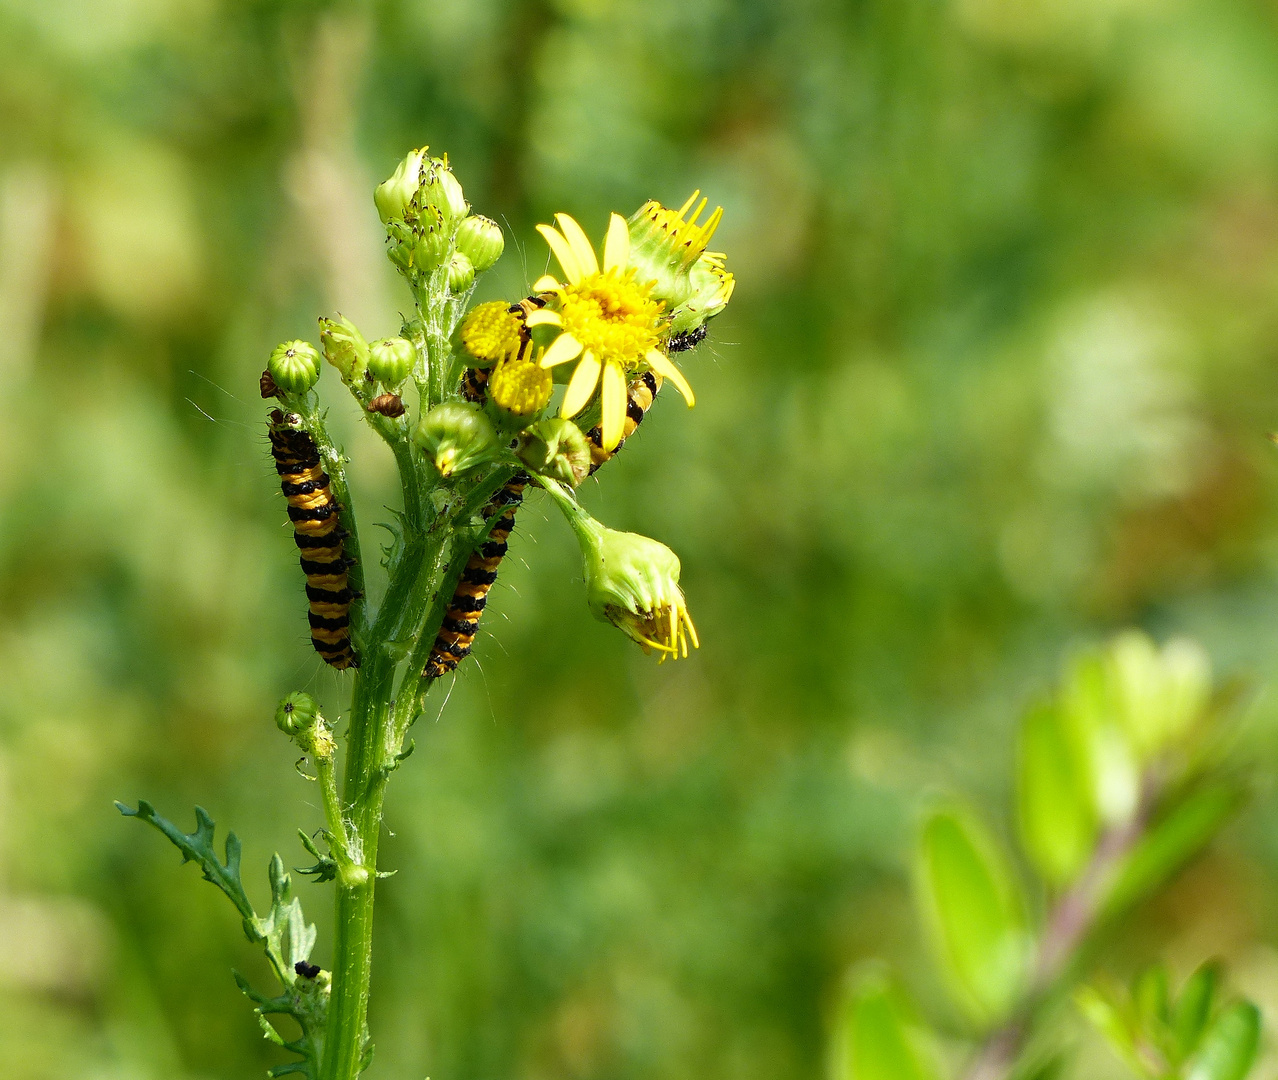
x=608, y=320
x=492, y=332
x=520, y=387
x=669, y=246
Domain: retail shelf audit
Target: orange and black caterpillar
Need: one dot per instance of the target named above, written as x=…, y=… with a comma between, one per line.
x=461, y=621
x=319, y=534
x=641, y=393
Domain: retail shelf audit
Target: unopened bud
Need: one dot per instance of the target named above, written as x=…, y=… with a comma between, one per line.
x=390, y=360
x=294, y=366
x=441, y=189
x=461, y=274
x=345, y=348
x=394, y=195
x=480, y=240
x=296, y=713
x=556, y=448
x=430, y=247
x=710, y=290
x=457, y=437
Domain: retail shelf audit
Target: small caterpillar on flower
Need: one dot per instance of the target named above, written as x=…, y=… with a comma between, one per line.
x=461, y=621
x=319, y=534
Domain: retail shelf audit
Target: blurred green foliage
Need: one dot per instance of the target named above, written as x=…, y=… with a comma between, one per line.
x=994, y=382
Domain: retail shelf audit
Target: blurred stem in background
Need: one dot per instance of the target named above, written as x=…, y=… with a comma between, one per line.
x=1121, y=779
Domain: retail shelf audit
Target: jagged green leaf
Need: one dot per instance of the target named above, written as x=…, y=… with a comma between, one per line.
x=197, y=847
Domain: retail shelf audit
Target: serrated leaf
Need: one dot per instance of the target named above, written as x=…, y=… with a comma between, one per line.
x=1194, y=1008
x=197, y=847
x=1229, y=1047
x=1181, y=833
x=879, y=1037
x=974, y=908
x=1055, y=795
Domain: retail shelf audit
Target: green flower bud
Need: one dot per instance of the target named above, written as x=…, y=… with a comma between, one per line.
x=430, y=247
x=345, y=348
x=295, y=366
x=480, y=240
x=390, y=360
x=457, y=437
x=297, y=713
x=441, y=189
x=556, y=448
x=461, y=274
x=394, y=196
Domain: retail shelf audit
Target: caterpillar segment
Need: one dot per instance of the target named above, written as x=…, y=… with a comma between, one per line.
x=318, y=534
x=639, y=398
x=461, y=621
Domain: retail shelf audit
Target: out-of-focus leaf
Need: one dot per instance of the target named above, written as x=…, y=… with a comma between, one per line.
x=1057, y=821
x=1181, y=833
x=1193, y=1008
x=1152, y=996
x=1229, y=1047
x=880, y=1038
x=1158, y=693
x=975, y=910
x=1088, y=704
x=1112, y=1020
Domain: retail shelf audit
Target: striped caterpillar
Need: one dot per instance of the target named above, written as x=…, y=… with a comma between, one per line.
x=461, y=621
x=639, y=399
x=318, y=534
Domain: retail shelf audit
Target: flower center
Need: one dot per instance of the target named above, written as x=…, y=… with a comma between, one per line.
x=612, y=316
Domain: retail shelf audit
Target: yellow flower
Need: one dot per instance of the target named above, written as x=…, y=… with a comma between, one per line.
x=492, y=332
x=609, y=322
x=520, y=385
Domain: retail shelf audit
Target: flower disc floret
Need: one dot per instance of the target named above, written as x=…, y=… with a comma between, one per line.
x=492, y=332
x=609, y=322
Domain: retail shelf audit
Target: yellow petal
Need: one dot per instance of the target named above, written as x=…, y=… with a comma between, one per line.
x=545, y=283
x=617, y=244
x=688, y=205
x=564, y=348
x=580, y=244
x=581, y=387
x=613, y=399
x=660, y=363
x=563, y=252
x=544, y=317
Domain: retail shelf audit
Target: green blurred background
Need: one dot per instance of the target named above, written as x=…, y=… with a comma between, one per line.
x=995, y=381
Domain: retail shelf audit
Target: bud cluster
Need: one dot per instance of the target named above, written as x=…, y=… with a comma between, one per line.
x=429, y=227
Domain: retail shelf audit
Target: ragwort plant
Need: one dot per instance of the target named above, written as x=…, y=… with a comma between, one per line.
x=1125, y=772
x=462, y=397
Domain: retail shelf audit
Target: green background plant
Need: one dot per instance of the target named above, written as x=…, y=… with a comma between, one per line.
x=993, y=382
